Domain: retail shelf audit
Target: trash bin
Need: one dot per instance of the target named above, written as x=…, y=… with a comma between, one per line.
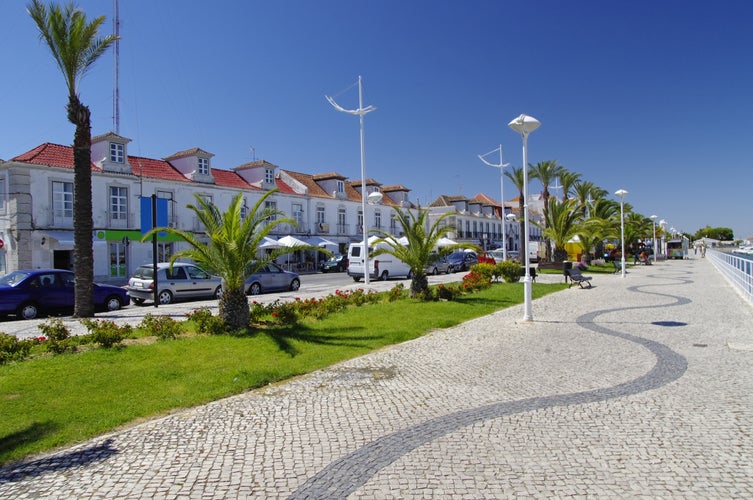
x=566, y=266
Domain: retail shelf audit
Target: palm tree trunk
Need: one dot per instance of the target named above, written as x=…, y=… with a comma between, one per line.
x=419, y=284
x=83, y=225
x=233, y=308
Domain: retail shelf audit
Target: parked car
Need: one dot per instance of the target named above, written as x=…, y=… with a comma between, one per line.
x=30, y=293
x=272, y=278
x=438, y=265
x=338, y=263
x=462, y=260
x=183, y=281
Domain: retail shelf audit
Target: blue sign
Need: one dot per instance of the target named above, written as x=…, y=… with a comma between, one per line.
x=146, y=214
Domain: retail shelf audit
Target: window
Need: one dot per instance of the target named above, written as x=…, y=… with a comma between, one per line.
x=342, y=227
x=118, y=203
x=320, y=215
x=117, y=153
x=271, y=205
x=203, y=166
x=378, y=219
x=340, y=186
x=62, y=200
x=244, y=209
x=298, y=213
x=164, y=251
x=360, y=219
x=117, y=259
x=269, y=175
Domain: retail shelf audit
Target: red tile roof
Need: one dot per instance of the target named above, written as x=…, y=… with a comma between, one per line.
x=51, y=155
x=155, y=169
x=226, y=178
x=284, y=187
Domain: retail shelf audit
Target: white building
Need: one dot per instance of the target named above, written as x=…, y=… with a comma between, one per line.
x=36, y=204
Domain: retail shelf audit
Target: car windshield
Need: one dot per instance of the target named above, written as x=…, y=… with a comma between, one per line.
x=13, y=278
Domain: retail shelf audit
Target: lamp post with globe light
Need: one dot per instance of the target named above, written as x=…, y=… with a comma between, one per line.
x=621, y=193
x=524, y=125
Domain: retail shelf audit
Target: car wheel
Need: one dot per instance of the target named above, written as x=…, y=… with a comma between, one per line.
x=295, y=285
x=254, y=289
x=435, y=271
x=356, y=278
x=113, y=303
x=217, y=293
x=450, y=269
x=165, y=297
x=28, y=311
x=138, y=302
x=384, y=276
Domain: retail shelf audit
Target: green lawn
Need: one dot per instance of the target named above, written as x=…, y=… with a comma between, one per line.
x=51, y=401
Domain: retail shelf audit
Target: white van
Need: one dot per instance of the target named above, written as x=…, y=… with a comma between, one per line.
x=383, y=266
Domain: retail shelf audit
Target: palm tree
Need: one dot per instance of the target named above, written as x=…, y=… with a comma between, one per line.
x=516, y=176
x=232, y=251
x=546, y=172
x=562, y=224
x=75, y=47
x=568, y=180
x=422, y=245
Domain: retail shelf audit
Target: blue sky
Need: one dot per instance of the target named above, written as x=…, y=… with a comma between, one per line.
x=652, y=97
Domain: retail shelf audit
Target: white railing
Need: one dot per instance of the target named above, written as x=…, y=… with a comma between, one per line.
x=736, y=269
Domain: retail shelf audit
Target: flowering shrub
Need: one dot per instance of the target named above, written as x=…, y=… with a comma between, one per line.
x=162, y=327
x=485, y=270
x=509, y=270
x=397, y=292
x=105, y=332
x=12, y=348
x=475, y=281
x=447, y=292
x=284, y=313
x=58, y=338
x=257, y=312
x=206, y=323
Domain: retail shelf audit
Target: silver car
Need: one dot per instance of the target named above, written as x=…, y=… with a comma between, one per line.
x=272, y=278
x=438, y=265
x=183, y=281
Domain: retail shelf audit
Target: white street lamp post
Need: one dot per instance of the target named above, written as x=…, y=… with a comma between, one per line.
x=653, y=221
x=361, y=111
x=663, y=223
x=500, y=166
x=622, y=193
x=524, y=125
x=511, y=218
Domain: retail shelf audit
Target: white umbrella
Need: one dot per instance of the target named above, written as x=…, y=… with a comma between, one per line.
x=291, y=241
x=269, y=243
x=444, y=241
x=318, y=241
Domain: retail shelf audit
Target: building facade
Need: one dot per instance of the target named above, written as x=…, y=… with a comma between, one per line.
x=36, y=204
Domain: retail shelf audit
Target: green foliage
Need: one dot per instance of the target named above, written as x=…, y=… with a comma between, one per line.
x=206, y=323
x=284, y=313
x=58, y=337
x=397, y=292
x=487, y=271
x=162, y=327
x=475, y=281
x=13, y=349
x=448, y=292
x=715, y=233
x=509, y=270
x=106, y=333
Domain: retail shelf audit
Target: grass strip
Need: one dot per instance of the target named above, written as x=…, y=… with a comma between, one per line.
x=52, y=401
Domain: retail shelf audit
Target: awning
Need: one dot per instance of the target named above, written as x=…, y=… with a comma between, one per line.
x=64, y=238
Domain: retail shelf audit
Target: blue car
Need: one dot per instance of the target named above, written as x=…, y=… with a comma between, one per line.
x=28, y=294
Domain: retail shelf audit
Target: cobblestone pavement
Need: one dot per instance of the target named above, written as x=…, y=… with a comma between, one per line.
x=638, y=387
